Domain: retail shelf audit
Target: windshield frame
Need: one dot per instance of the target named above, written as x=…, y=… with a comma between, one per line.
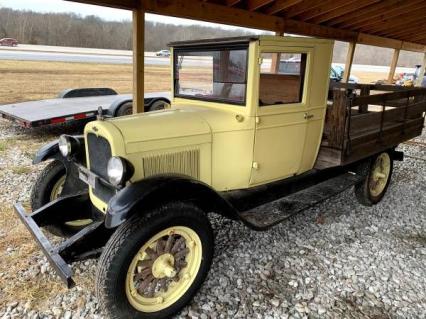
x=210, y=48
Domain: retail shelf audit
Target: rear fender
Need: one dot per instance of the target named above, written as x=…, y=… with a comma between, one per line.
x=138, y=197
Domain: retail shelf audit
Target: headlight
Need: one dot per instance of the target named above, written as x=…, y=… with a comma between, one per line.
x=64, y=145
x=68, y=145
x=117, y=170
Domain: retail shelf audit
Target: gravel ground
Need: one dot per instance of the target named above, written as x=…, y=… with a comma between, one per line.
x=337, y=260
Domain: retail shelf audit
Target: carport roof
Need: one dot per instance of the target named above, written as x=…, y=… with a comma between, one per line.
x=391, y=23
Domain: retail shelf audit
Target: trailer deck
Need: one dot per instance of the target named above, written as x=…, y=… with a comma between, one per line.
x=61, y=110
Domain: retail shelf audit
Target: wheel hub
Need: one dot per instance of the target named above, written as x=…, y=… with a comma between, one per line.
x=163, y=266
x=379, y=174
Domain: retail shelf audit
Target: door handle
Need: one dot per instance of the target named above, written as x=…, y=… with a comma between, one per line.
x=308, y=116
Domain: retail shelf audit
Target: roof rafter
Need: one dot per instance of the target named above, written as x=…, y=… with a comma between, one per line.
x=366, y=13
x=281, y=5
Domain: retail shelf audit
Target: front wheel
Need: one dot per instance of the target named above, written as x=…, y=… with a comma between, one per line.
x=154, y=264
x=47, y=188
x=378, y=173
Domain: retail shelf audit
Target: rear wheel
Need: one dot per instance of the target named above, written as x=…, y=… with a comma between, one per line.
x=153, y=265
x=48, y=187
x=378, y=174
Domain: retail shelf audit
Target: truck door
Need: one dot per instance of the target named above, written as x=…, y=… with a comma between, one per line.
x=281, y=116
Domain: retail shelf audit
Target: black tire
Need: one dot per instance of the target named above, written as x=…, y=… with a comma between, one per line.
x=362, y=190
x=41, y=195
x=125, y=109
x=126, y=242
x=158, y=105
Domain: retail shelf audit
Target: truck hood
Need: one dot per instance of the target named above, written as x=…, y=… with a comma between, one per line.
x=145, y=131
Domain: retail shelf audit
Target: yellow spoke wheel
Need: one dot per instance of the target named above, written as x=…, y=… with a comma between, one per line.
x=163, y=269
x=56, y=193
x=379, y=174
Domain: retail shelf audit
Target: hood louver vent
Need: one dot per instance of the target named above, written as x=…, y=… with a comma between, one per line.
x=185, y=162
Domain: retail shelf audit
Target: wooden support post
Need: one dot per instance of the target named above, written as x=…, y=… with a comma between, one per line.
x=138, y=59
x=348, y=64
x=275, y=61
x=365, y=91
x=422, y=72
x=393, y=65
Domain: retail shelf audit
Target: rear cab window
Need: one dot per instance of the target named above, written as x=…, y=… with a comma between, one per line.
x=282, y=77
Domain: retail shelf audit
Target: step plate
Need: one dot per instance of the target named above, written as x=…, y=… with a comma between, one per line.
x=270, y=214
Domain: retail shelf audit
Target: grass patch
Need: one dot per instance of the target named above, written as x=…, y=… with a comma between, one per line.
x=20, y=170
x=3, y=146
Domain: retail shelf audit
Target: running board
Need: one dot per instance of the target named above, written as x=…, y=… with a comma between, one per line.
x=272, y=213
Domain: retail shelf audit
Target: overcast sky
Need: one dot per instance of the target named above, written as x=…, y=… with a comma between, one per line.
x=85, y=9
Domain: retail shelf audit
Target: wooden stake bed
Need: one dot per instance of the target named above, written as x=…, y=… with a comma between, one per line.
x=378, y=118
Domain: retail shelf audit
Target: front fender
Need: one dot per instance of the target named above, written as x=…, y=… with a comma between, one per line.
x=51, y=151
x=152, y=191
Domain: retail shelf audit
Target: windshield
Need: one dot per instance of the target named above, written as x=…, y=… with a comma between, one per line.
x=218, y=75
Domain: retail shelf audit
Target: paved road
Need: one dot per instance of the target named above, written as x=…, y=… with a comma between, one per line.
x=39, y=53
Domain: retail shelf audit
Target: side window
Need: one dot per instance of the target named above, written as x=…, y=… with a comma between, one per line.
x=282, y=77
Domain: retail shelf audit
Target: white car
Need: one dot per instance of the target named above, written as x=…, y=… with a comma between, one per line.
x=165, y=53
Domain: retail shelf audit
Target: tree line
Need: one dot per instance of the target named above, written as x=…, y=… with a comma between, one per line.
x=68, y=29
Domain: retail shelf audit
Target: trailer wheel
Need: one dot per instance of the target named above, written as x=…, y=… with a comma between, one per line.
x=125, y=109
x=154, y=264
x=48, y=187
x=158, y=105
x=378, y=173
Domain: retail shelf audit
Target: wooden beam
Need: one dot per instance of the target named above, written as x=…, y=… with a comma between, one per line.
x=422, y=72
x=348, y=63
x=379, y=41
x=401, y=31
x=393, y=16
x=363, y=14
x=257, y=4
x=326, y=7
x=393, y=65
x=301, y=7
x=347, y=8
x=138, y=59
x=231, y=3
x=378, y=16
x=415, y=47
x=281, y=5
x=403, y=24
x=212, y=12
x=118, y=4
x=303, y=28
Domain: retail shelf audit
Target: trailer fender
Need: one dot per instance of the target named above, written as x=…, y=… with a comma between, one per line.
x=113, y=108
x=138, y=197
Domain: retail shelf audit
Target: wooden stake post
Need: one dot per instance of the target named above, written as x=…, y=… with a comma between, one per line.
x=138, y=59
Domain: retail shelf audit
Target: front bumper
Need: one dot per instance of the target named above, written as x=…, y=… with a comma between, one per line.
x=87, y=243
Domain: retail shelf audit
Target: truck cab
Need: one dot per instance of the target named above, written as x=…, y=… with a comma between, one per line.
x=237, y=120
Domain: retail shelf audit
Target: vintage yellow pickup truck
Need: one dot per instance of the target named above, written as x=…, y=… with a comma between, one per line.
x=255, y=132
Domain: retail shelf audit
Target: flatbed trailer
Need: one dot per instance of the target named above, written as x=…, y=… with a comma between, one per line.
x=75, y=105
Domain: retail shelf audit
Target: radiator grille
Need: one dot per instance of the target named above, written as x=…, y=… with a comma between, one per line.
x=185, y=162
x=99, y=155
